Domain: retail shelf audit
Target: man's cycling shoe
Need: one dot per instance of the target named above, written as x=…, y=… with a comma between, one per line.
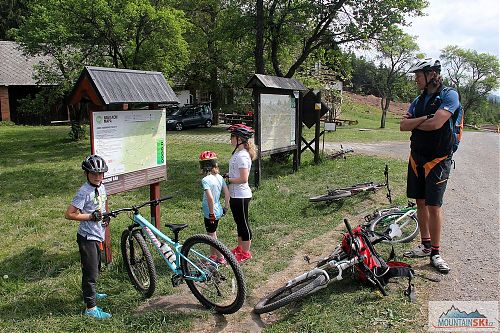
x=438, y=263
x=418, y=252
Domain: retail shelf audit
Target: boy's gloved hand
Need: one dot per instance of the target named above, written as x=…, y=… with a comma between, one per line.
x=212, y=218
x=96, y=215
x=224, y=211
x=105, y=220
x=226, y=178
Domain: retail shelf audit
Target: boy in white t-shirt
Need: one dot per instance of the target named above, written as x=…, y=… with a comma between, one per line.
x=87, y=207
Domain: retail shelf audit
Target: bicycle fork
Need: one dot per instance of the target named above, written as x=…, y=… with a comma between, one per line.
x=311, y=273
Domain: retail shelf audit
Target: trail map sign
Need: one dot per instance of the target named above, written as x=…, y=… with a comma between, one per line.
x=278, y=122
x=133, y=145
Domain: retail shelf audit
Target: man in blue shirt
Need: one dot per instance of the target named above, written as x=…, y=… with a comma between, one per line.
x=429, y=120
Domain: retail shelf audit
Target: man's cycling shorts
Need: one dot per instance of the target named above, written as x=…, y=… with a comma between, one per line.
x=427, y=178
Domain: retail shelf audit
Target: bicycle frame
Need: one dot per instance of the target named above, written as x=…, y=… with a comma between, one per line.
x=153, y=233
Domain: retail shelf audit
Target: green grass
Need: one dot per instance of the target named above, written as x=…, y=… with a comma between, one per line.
x=40, y=172
x=368, y=127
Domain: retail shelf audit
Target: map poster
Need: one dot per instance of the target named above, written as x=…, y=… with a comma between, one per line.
x=277, y=118
x=131, y=142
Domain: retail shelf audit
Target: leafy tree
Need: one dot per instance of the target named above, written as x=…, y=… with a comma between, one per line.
x=13, y=11
x=295, y=29
x=473, y=74
x=395, y=51
x=135, y=34
x=220, y=48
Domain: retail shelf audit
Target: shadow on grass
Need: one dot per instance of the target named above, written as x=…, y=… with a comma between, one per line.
x=35, y=264
x=31, y=183
x=37, y=307
x=40, y=145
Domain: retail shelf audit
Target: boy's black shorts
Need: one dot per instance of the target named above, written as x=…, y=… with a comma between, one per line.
x=211, y=227
x=427, y=178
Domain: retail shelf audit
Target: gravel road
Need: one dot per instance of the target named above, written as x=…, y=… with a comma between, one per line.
x=470, y=240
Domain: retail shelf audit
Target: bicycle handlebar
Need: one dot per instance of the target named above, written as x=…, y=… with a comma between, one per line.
x=349, y=229
x=135, y=209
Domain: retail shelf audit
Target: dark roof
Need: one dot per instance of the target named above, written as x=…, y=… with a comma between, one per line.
x=16, y=69
x=129, y=86
x=268, y=81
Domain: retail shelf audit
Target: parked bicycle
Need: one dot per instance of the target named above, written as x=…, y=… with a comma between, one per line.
x=220, y=287
x=405, y=217
x=345, y=192
x=327, y=270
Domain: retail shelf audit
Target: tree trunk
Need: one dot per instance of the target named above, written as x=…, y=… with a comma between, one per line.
x=384, y=105
x=259, y=41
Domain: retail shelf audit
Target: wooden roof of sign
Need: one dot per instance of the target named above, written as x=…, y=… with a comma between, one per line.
x=104, y=86
x=276, y=82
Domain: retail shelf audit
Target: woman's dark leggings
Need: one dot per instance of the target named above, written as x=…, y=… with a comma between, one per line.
x=90, y=258
x=239, y=208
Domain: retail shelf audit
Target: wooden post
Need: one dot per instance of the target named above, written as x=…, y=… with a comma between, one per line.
x=258, y=166
x=107, y=242
x=154, y=193
x=298, y=131
x=317, y=128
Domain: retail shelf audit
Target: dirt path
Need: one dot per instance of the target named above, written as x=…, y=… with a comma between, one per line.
x=244, y=320
x=470, y=237
x=469, y=243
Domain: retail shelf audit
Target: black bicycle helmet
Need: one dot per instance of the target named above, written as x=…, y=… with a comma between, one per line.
x=426, y=65
x=242, y=131
x=94, y=163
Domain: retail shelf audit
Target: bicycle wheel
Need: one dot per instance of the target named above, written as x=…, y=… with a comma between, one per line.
x=332, y=195
x=407, y=224
x=290, y=293
x=138, y=262
x=223, y=288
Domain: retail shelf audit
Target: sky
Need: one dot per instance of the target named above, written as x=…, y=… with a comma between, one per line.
x=469, y=24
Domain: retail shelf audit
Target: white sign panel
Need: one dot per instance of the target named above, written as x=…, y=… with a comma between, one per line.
x=130, y=140
x=277, y=121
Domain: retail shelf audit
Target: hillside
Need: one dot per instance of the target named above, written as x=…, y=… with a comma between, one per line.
x=395, y=107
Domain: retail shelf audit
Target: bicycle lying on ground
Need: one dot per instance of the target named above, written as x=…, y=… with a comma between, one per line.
x=345, y=192
x=327, y=270
x=340, y=153
x=405, y=217
x=217, y=286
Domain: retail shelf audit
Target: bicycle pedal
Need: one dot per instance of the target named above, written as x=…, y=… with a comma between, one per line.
x=307, y=259
x=176, y=280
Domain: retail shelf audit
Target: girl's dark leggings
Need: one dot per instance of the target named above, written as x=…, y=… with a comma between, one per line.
x=239, y=208
x=90, y=258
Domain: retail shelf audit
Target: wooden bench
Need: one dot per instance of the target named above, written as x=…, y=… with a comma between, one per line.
x=230, y=119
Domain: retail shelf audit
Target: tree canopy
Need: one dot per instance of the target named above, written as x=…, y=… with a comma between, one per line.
x=134, y=34
x=473, y=74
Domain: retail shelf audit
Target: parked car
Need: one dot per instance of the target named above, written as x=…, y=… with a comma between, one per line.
x=190, y=116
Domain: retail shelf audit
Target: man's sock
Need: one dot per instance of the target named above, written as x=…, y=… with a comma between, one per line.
x=426, y=242
x=434, y=250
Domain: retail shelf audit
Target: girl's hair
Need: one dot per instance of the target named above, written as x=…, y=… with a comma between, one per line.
x=213, y=169
x=252, y=151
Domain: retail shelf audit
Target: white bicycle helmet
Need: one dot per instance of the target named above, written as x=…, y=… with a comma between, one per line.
x=94, y=163
x=426, y=65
